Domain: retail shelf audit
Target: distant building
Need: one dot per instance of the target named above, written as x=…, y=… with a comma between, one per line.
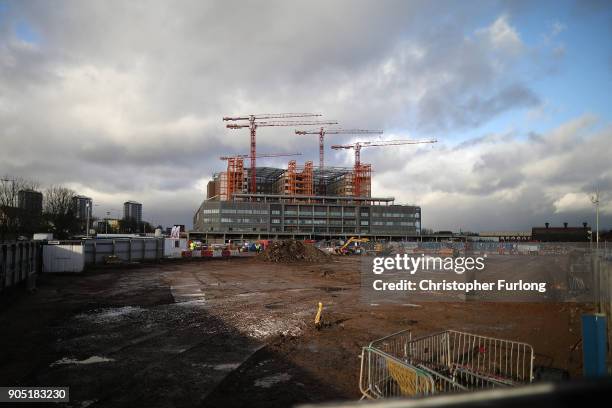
x=561, y=234
x=30, y=202
x=132, y=211
x=82, y=207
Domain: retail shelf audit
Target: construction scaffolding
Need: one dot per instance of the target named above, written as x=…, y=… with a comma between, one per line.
x=296, y=180
x=235, y=176
x=362, y=180
x=306, y=180
x=222, y=183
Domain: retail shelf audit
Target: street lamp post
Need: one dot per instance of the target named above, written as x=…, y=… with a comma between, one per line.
x=595, y=201
x=88, y=206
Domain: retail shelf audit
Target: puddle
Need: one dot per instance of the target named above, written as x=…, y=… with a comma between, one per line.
x=226, y=367
x=111, y=314
x=90, y=360
x=191, y=303
x=271, y=380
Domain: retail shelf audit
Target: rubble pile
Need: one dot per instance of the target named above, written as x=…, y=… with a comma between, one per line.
x=288, y=251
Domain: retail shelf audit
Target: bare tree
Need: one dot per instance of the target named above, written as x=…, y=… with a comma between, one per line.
x=60, y=212
x=9, y=212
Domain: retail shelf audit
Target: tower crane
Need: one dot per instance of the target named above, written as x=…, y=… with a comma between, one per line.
x=323, y=131
x=357, y=146
x=266, y=120
x=362, y=172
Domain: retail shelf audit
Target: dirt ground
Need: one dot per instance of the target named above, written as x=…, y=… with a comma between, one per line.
x=234, y=332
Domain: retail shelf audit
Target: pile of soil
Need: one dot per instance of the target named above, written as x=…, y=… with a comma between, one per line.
x=288, y=251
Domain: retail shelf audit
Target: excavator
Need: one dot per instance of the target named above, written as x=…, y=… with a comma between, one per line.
x=346, y=249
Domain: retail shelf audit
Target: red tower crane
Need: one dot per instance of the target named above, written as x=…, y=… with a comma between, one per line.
x=323, y=131
x=362, y=171
x=255, y=121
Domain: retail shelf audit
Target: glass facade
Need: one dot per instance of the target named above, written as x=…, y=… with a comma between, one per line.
x=349, y=219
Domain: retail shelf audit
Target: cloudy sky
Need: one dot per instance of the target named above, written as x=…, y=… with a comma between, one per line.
x=124, y=99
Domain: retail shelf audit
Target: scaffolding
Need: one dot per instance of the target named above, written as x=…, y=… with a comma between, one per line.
x=362, y=180
x=235, y=176
x=223, y=186
x=297, y=180
x=305, y=181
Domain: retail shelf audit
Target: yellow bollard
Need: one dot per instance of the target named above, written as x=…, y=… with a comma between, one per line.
x=317, y=321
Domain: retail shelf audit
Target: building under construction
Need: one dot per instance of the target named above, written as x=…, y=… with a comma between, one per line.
x=300, y=201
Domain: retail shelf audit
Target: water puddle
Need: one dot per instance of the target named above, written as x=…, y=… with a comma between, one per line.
x=267, y=382
x=90, y=360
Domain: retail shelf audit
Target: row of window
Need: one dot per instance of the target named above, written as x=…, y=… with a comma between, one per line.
x=333, y=213
x=392, y=223
x=243, y=211
x=253, y=220
x=396, y=215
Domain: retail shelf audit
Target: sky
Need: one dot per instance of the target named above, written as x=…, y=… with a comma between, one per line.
x=123, y=100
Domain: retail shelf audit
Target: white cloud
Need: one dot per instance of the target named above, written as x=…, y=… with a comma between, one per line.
x=572, y=202
x=503, y=36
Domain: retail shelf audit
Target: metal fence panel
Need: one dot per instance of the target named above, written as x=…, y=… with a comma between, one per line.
x=448, y=361
x=18, y=262
x=125, y=249
x=63, y=258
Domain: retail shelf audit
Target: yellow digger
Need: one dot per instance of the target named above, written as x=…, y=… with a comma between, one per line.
x=346, y=249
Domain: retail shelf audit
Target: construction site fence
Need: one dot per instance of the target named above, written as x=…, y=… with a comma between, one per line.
x=216, y=253
x=449, y=361
x=19, y=262
x=97, y=251
x=496, y=248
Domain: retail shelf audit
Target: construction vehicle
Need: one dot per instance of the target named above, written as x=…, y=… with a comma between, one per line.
x=346, y=249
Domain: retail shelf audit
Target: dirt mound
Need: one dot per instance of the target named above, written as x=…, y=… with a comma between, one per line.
x=292, y=251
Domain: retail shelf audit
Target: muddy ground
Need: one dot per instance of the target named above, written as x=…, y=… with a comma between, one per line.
x=233, y=332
